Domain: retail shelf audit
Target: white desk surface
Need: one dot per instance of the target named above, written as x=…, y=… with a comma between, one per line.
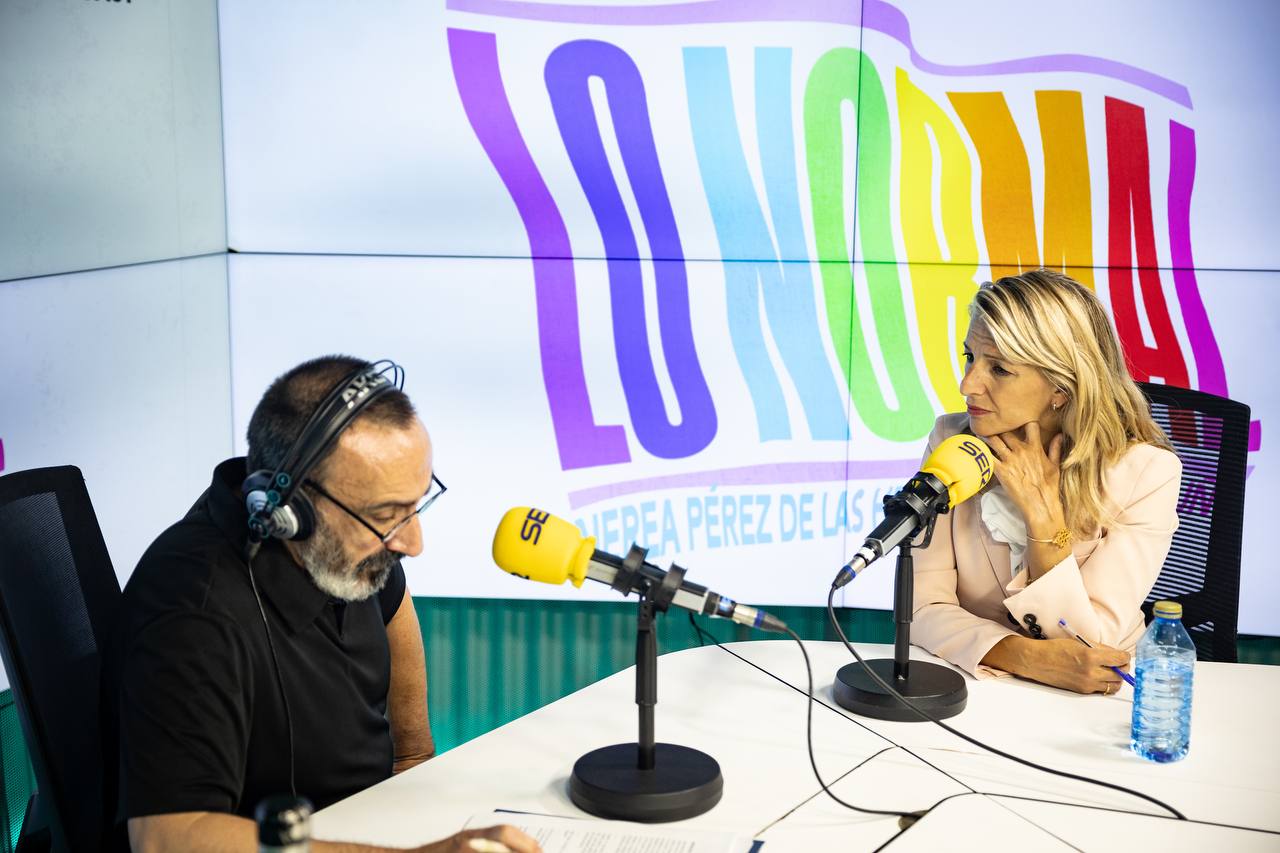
x=979, y=823
x=729, y=705
x=1231, y=774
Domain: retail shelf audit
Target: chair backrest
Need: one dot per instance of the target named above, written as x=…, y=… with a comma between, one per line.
x=1202, y=571
x=58, y=600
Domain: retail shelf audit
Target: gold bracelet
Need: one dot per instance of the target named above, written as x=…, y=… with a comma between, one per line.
x=1061, y=539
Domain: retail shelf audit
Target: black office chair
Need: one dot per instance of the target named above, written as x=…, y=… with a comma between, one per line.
x=58, y=596
x=1202, y=571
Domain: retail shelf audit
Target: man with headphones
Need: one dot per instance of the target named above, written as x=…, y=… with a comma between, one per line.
x=268, y=642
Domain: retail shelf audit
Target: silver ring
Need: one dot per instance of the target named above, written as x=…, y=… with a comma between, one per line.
x=1107, y=691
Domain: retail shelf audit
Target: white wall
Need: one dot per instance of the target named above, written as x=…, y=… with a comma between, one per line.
x=113, y=287
x=111, y=124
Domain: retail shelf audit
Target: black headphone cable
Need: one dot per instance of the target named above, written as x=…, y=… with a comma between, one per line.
x=251, y=551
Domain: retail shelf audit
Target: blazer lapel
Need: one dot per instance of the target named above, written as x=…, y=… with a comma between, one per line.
x=997, y=552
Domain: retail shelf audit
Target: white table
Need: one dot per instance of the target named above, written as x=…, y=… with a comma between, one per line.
x=744, y=705
x=1230, y=776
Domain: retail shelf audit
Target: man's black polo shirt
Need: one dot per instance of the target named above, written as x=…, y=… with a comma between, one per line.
x=203, y=724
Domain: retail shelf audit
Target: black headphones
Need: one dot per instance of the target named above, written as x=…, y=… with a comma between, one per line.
x=278, y=508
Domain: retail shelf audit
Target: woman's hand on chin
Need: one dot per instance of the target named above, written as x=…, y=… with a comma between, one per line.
x=1029, y=472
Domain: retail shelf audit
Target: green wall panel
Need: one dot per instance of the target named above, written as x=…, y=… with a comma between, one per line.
x=491, y=661
x=15, y=771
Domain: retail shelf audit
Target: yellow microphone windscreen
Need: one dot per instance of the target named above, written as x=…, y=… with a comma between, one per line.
x=536, y=545
x=963, y=464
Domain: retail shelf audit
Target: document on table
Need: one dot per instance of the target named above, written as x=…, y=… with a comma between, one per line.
x=588, y=835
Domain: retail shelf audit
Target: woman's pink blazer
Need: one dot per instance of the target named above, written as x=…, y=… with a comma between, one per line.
x=964, y=593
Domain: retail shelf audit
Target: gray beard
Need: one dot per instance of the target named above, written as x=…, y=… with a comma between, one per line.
x=326, y=563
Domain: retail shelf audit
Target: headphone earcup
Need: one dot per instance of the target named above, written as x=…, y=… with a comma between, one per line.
x=304, y=514
x=258, y=481
x=295, y=520
x=254, y=491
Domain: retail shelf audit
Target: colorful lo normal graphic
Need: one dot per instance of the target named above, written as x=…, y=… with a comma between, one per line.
x=757, y=248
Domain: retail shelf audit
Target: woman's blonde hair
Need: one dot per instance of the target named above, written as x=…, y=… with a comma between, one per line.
x=1052, y=322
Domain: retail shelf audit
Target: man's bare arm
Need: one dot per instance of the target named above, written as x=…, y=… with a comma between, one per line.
x=407, y=696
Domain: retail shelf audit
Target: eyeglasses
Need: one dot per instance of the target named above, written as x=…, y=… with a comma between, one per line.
x=435, y=490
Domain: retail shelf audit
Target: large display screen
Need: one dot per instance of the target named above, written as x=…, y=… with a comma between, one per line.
x=695, y=274
x=690, y=274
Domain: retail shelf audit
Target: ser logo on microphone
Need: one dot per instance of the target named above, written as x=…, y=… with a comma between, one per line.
x=532, y=527
x=979, y=455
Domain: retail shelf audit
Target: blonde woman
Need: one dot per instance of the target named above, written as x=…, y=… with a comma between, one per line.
x=1078, y=519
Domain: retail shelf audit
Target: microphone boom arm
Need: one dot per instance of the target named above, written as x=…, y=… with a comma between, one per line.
x=917, y=505
x=634, y=574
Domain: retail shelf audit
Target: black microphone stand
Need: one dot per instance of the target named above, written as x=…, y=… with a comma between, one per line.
x=937, y=689
x=646, y=781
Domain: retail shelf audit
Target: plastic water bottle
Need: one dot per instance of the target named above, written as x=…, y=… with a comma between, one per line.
x=284, y=824
x=1162, y=699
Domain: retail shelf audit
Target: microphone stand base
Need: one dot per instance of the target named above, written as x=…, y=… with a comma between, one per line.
x=683, y=783
x=937, y=689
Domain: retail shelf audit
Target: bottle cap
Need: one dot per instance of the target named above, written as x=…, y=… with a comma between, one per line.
x=1167, y=610
x=283, y=820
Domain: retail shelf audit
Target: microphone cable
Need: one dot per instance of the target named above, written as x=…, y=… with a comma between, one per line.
x=831, y=614
x=905, y=818
x=251, y=550
x=909, y=817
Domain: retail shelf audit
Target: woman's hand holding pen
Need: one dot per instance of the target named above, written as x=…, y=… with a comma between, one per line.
x=1126, y=676
x=1061, y=663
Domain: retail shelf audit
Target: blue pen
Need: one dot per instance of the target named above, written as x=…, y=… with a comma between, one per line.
x=1120, y=672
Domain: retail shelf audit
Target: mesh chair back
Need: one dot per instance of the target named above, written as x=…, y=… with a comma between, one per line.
x=1202, y=571
x=58, y=596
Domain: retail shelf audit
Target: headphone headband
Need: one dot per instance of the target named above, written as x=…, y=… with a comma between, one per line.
x=334, y=414
x=268, y=498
